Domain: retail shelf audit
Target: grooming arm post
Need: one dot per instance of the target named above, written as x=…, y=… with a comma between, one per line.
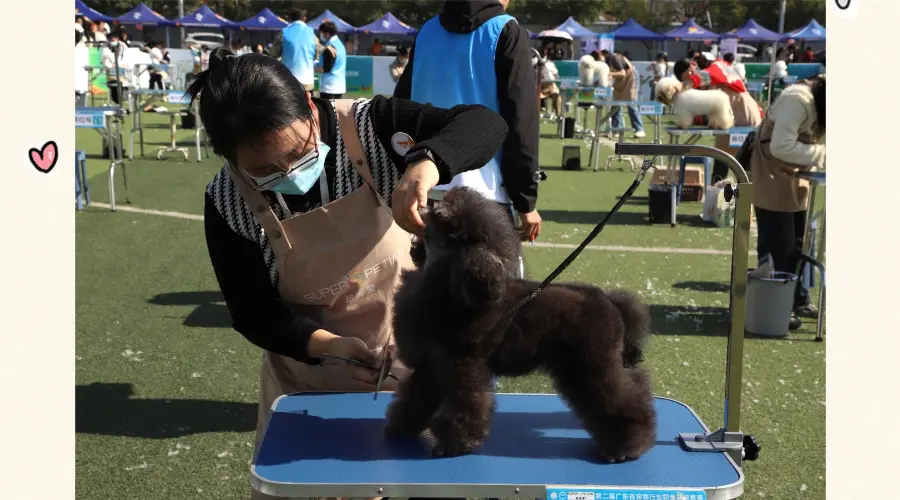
x=729, y=438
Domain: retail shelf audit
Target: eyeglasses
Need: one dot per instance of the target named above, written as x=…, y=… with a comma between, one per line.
x=306, y=161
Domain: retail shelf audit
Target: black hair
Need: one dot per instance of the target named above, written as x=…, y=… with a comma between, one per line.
x=244, y=98
x=404, y=51
x=729, y=58
x=604, y=53
x=681, y=66
x=702, y=61
x=328, y=28
x=297, y=15
x=817, y=86
x=663, y=56
x=78, y=37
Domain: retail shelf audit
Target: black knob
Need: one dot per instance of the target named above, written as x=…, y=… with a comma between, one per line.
x=751, y=448
x=728, y=193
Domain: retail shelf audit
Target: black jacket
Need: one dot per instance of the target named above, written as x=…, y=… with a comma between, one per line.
x=516, y=89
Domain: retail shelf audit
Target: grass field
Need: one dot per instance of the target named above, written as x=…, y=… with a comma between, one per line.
x=166, y=390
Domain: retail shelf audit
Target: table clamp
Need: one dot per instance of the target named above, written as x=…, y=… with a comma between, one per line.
x=722, y=440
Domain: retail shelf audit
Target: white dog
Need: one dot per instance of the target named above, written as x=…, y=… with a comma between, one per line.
x=592, y=72
x=692, y=102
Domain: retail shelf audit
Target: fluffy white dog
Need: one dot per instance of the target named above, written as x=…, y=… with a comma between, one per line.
x=592, y=72
x=689, y=103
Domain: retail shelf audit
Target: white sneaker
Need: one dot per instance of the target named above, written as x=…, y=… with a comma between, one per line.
x=639, y=135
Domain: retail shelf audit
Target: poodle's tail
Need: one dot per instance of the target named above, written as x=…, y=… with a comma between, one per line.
x=637, y=324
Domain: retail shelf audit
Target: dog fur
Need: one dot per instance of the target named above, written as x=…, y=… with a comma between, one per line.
x=588, y=341
x=689, y=103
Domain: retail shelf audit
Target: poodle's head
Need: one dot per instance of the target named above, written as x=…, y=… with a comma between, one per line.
x=667, y=88
x=471, y=241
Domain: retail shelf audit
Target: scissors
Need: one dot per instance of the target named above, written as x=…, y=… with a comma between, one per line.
x=355, y=362
x=382, y=372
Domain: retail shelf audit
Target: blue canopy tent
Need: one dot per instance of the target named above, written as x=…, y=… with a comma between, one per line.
x=632, y=30
x=387, y=25
x=83, y=10
x=204, y=17
x=342, y=26
x=572, y=27
x=752, y=32
x=265, y=20
x=812, y=32
x=144, y=16
x=691, y=31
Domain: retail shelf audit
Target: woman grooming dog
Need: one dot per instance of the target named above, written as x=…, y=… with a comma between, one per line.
x=787, y=143
x=719, y=75
x=692, y=103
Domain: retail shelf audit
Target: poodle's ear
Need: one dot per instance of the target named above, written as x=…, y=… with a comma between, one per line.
x=478, y=277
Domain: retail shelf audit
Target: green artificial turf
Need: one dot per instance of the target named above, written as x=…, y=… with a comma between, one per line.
x=166, y=390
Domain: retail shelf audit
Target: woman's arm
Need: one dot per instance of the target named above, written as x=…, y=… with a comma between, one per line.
x=257, y=311
x=792, y=112
x=461, y=138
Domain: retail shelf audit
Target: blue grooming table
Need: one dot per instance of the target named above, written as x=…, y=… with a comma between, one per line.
x=334, y=445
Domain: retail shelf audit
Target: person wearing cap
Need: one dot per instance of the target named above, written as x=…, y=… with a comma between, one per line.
x=476, y=53
x=719, y=75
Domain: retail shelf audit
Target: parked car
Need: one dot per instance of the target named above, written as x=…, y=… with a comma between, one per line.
x=208, y=40
x=743, y=52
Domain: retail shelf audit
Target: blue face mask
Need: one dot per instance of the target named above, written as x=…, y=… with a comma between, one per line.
x=298, y=180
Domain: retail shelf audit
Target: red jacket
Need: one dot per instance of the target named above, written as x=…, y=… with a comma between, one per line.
x=718, y=73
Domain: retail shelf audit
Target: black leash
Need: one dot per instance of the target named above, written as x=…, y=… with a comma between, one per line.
x=645, y=166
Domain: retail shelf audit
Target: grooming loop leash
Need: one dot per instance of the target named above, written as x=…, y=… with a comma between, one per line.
x=645, y=167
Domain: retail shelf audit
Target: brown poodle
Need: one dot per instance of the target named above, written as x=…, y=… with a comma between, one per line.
x=446, y=328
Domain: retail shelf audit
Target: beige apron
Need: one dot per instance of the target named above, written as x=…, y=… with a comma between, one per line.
x=775, y=187
x=339, y=264
x=625, y=88
x=746, y=114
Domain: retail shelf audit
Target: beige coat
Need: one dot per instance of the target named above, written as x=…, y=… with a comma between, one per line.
x=625, y=87
x=792, y=146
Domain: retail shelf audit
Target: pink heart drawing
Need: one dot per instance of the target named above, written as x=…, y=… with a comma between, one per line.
x=45, y=159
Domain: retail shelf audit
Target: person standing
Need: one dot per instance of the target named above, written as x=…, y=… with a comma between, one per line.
x=475, y=53
x=282, y=258
x=299, y=49
x=788, y=142
x=625, y=88
x=398, y=65
x=332, y=64
x=658, y=70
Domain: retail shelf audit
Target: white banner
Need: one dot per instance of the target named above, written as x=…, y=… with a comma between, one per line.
x=607, y=43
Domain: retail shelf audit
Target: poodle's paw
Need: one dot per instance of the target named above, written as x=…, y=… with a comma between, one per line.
x=626, y=442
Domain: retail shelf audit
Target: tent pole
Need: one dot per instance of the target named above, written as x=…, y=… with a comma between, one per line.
x=774, y=51
x=180, y=15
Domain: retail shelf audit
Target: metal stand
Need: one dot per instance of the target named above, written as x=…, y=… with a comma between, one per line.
x=173, y=147
x=729, y=438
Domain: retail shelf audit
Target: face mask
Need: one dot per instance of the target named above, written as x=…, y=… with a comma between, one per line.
x=323, y=38
x=298, y=181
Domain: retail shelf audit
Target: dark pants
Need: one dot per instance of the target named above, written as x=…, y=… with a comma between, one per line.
x=781, y=236
x=114, y=92
x=330, y=96
x=156, y=81
x=720, y=172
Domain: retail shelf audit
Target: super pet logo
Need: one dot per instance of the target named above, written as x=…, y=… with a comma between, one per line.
x=356, y=277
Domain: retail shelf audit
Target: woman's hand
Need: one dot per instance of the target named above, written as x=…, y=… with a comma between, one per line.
x=412, y=194
x=323, y=342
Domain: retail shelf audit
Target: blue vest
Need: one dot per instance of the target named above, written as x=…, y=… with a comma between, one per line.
x=458, y=68
x=299, y=51
x=335, y=81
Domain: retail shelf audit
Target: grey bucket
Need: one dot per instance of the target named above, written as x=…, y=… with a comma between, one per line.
x=769, y=304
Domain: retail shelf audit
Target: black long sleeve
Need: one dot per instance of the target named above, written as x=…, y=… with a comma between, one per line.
x=462, y=138
x=328, y=60
x=517, y=93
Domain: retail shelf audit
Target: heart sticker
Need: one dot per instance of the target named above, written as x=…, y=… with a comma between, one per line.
x=44, y=159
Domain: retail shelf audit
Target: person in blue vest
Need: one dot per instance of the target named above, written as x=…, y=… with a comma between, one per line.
x=332, y=64
x=299, y=49
x=475, y=53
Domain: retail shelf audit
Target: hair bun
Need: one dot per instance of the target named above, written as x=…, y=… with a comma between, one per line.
x=218, y=58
